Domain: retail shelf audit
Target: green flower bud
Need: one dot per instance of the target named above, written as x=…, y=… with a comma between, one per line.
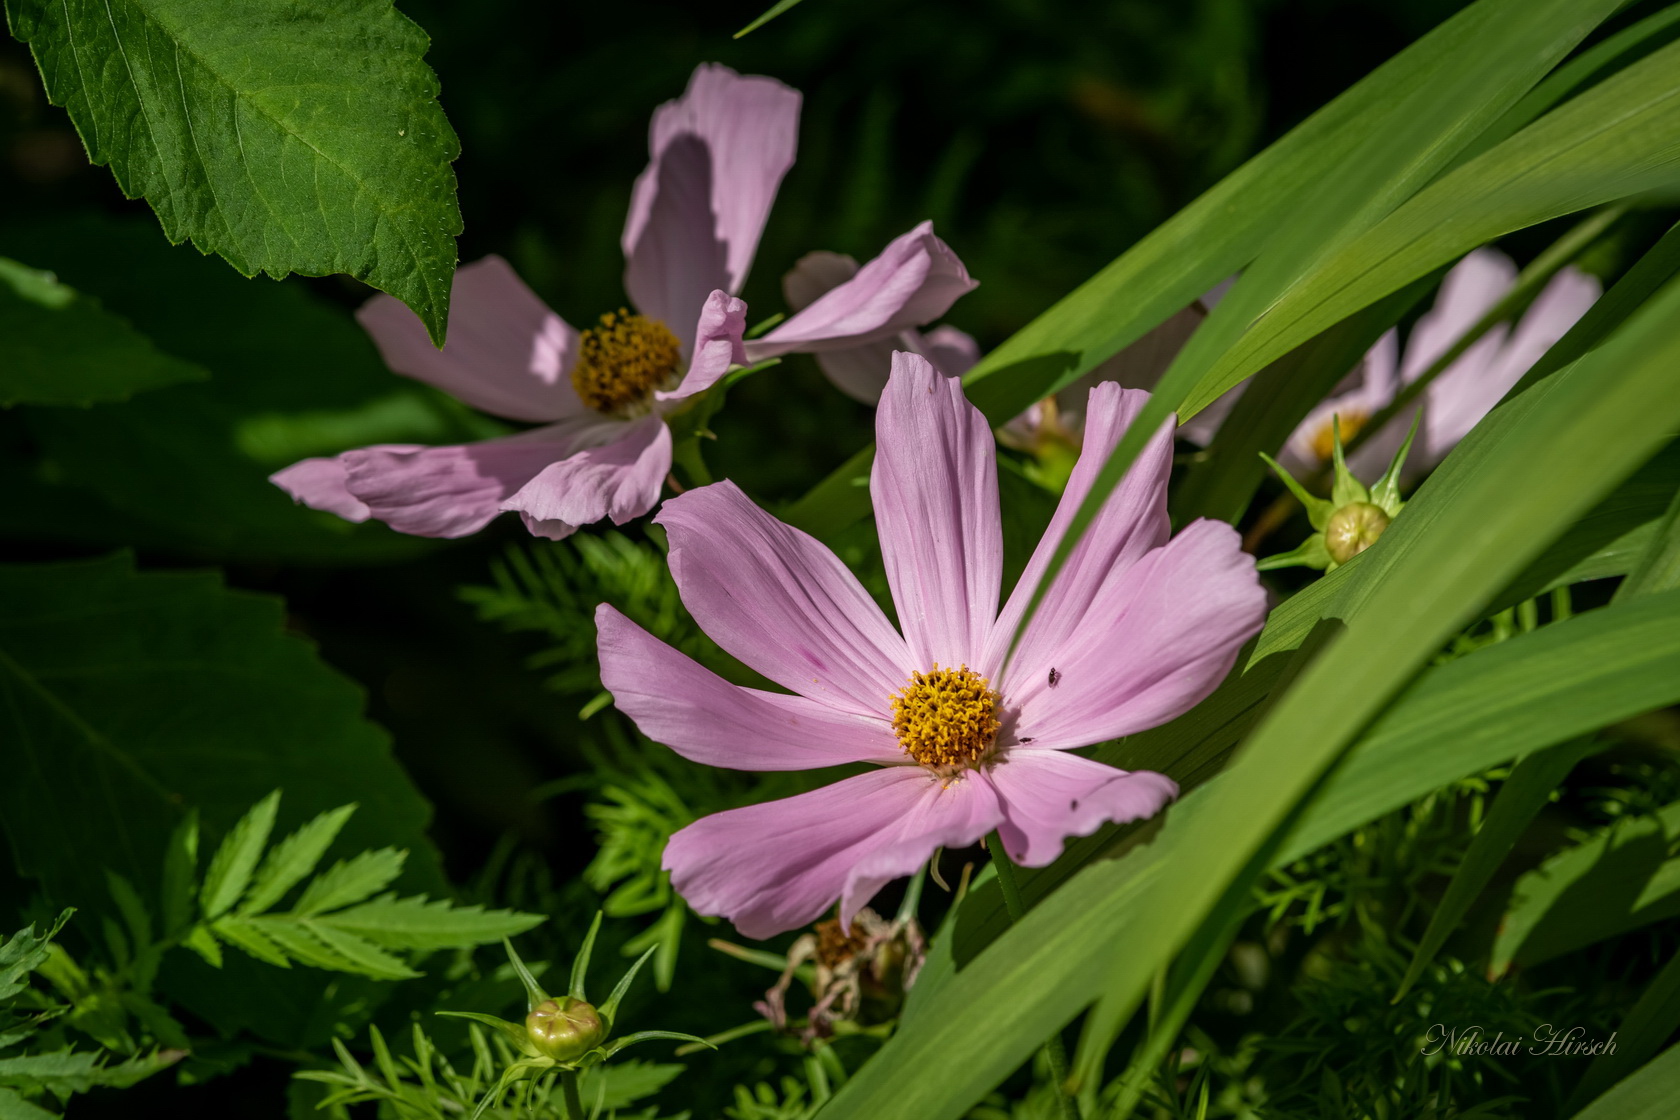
x=564, y=1029
x=1352, y=529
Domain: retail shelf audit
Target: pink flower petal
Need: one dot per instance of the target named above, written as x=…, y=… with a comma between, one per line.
x=717, y=346
x=1131, y=523
x=1473, y=286
x=676, y=701
x=915, y=280
x=620, y=480
x=861, y=371
x=1366, y=390
x=1051, y=795
x=718, y=154
x=777, y=866
x=320, y=484
x=450, y=491
x=781, y=603
x=1153, y=642
x=1463, y=394
x=507, y=353
x=934, y=486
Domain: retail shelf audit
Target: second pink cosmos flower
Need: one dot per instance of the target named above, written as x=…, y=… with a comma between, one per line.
x=1137, y=629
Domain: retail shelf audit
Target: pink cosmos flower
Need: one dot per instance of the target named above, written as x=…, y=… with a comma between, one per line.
x=860, y=371
x=1457, y=399
x=603, y=396
x=1137, y=630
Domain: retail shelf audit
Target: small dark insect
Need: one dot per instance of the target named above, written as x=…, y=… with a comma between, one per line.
x=1055, y=678
x=1075, y=804
x=1025, y=739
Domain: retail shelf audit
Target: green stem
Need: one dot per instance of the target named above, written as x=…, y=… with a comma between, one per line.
x=1054, y=1051
x=569, y=1086
x=687, y=456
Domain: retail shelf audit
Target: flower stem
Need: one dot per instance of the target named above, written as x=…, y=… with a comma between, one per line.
x=1054, y=1052
x=569, y=1086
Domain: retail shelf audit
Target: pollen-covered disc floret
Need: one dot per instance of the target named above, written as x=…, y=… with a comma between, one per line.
x=946, y=719
x=623, y=361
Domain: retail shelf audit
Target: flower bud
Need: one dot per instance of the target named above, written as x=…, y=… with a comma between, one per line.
x=564, y=1029
x=1352, y=529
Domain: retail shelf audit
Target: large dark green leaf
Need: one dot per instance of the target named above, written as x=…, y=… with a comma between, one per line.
x=59, y=347
x=1648, y=1093
x=284, y=135
x=186, y=467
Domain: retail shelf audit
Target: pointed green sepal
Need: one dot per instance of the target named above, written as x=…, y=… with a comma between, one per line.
x=580, y=964
x=1346, y=488
x=1386, y=493
x=533, y=991
x=513, y=1032
x=1310, y=554
x=609, y=1010
x=1318, y=510
x=618, y=1044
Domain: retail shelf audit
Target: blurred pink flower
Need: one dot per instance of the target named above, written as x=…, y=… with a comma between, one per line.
x=1457, y=399
x=602, y=395
x=1136, y=630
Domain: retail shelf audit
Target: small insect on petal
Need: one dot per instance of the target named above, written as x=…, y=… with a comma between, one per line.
x=1055, y=677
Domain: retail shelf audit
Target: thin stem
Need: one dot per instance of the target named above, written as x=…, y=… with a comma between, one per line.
x=1054, y=1051
x=574, y=1102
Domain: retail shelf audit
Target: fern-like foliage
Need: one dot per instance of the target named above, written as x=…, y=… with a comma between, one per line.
x=37, y=1067
x=554, y=588
x=338, y=921
x=426, y=1085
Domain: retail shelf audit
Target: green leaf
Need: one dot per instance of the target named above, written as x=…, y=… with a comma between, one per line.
x=57, y=347
x=1522, y=795
x=618, y=1044
x=242, y=933
x=1646, y=1094
x=231, y=866
x=1619, y=139
x=414, y=923
x=1651, y=1023
x=180, y=875
x=14, y=1107
x=291, y=860
x=351, y=880
x=1534, y=465
x=580, y=963
x=23, y=953
x=184, y=469
x=625, y=1082
x=1620, y=879
x=514, y=1033
x=610, y=1008
x=775, y=10
x=283, y=135
x=131, y=697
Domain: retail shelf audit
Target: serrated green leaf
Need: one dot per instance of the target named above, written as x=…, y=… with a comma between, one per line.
x=201, y=941
x=351, y=880
x=180, y=875
x=415, y=923
x=14, y=1107
x=57, y=347
x=242, y=934
x=291, y=860
x=236, y=858
x=312, y=943
x=23, y=953
x=133, y=910
x=285, y=136
x=363, y=955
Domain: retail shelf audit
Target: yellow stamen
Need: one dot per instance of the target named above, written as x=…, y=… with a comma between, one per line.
x=946, y=719
x=1324, y=440
x=623, y=361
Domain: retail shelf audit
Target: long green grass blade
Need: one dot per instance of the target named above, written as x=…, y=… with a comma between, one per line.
x=1648, y=1093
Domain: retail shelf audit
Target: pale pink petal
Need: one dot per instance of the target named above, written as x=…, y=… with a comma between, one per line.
x=915, y=280
x=1154, y=641
x=781, y=602
x=451, y=491
x=815, y=275
x=320, y=484
x=718, y=154
x=1469, y=291
x=676, y=701
x=620, y=480
x=952, y=351
x=1050, y=795
x=861, y=371
x=1365, y=391
x=934, y=486
x=1462, y=395
x=717, y=346
x=507, y=353
x=1131, y=523
x=777, y=866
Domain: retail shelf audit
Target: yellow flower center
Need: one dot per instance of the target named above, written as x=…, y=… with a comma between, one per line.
x=1352, y=529
x=1324, y=440
x=623, y=361
x=946, y=719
